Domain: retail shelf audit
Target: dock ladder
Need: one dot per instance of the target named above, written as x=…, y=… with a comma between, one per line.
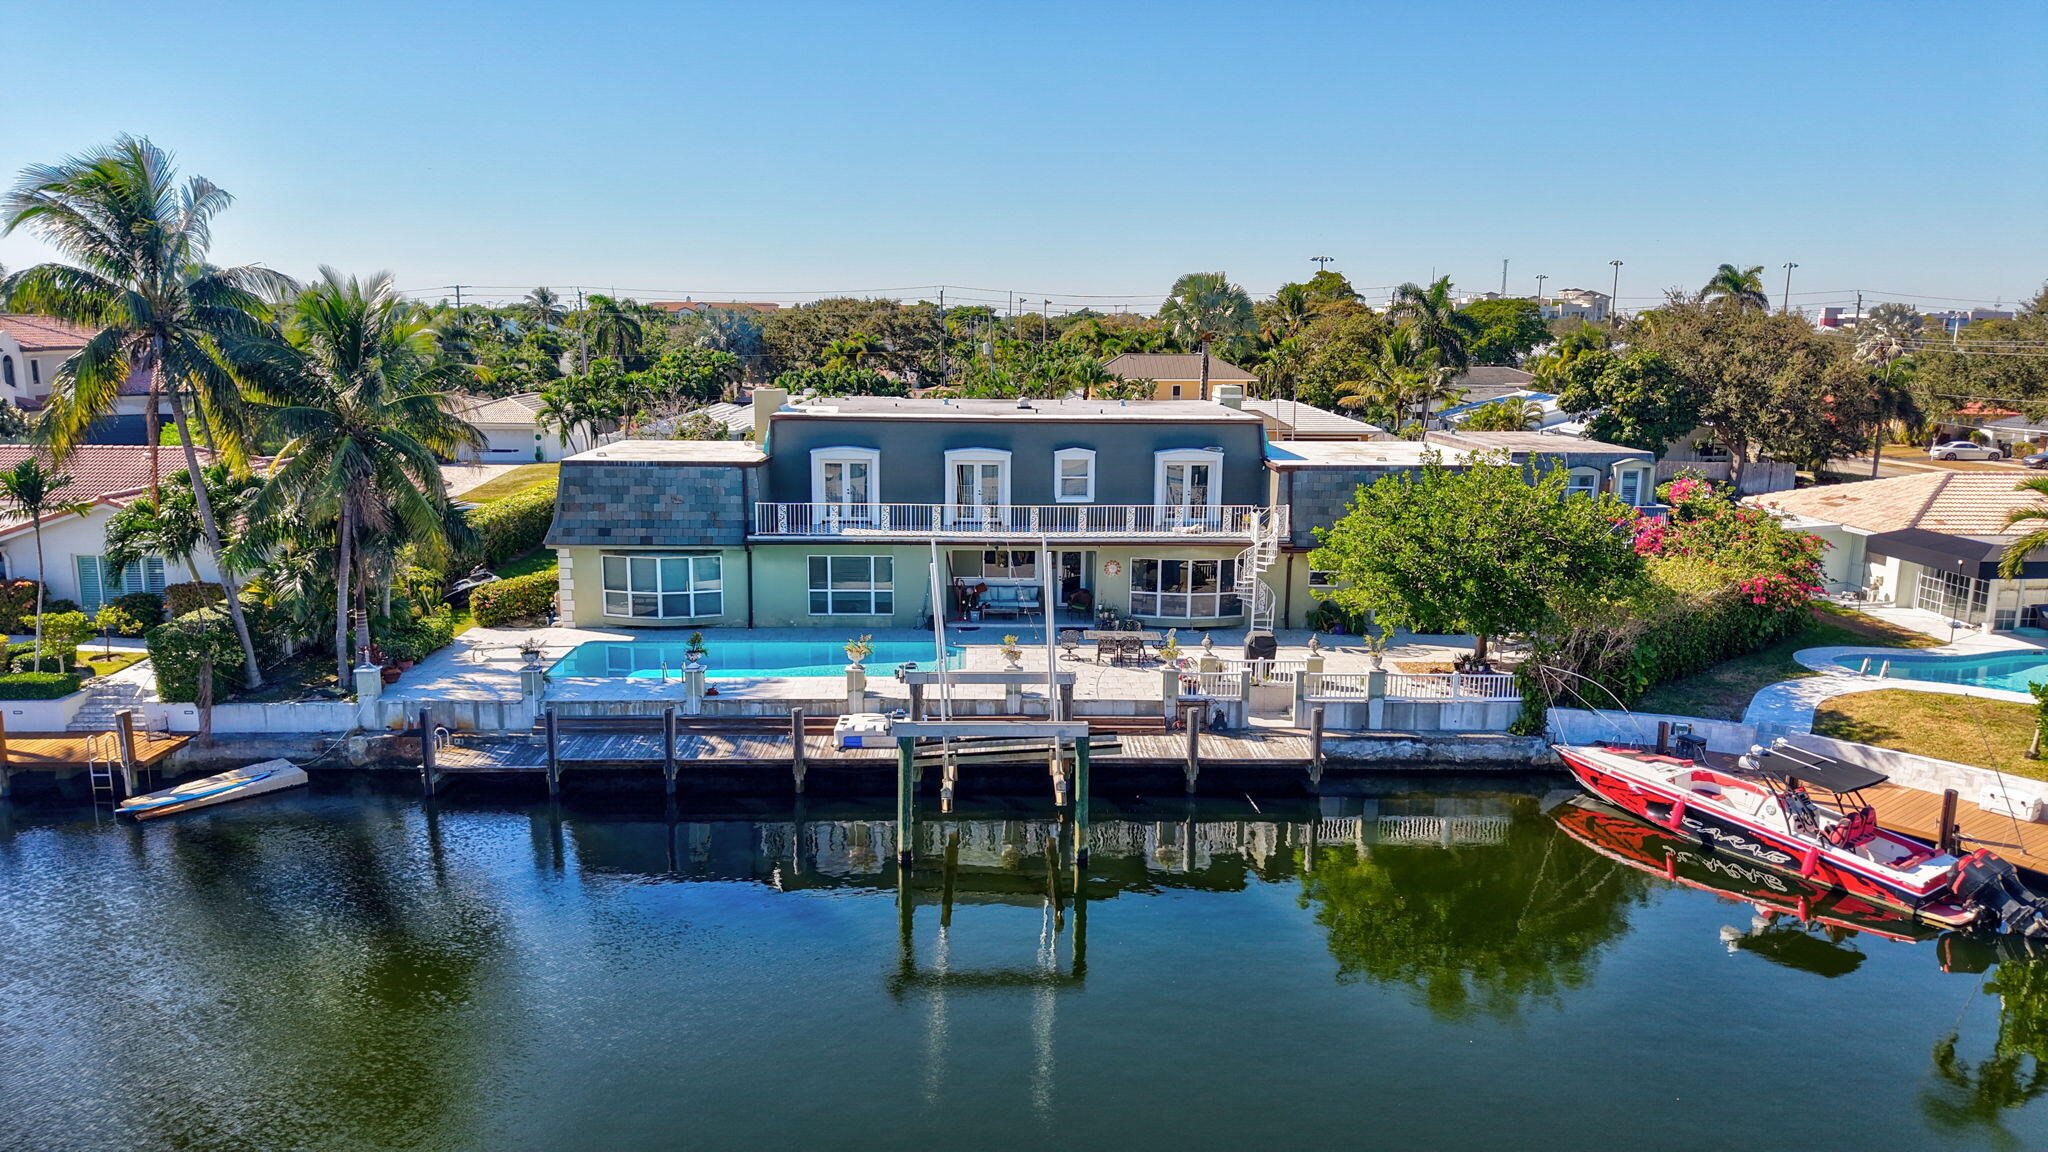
x=103, y=766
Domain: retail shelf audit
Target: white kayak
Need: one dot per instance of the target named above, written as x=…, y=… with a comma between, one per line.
x=255, y=780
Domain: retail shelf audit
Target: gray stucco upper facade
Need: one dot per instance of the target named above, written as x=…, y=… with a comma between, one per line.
x=913, y=454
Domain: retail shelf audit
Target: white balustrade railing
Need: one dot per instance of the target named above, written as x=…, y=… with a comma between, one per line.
x=1234, y=521
x=1336, y=685
x=1213, y=685
x=1451, y=686
x=1266, y=671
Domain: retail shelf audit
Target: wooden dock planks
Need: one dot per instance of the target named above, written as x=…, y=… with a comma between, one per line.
x=1918, y=814
x=61, y=751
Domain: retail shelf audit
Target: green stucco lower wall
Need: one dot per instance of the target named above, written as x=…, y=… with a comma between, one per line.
x=581, y=599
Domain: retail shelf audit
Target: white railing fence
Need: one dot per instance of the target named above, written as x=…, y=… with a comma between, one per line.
x=1213, y=685
x=1266, y=671
x=1229, y=520
x=1451, y=686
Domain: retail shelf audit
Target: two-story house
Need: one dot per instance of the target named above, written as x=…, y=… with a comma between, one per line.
x=33, y=348
x=869, y=511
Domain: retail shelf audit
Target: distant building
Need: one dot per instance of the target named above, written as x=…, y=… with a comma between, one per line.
x=513, y=432
x=1293, y=420
x=1957, y=319
x=1576, y=304
x=709, y=305
x=1178, y=375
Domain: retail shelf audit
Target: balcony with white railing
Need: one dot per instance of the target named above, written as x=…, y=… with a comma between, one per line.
x=1222, y=524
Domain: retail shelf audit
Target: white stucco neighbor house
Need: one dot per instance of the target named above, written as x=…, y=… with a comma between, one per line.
x=109, y=476
x=33, y=348
x=1932, y=541
x=513, y=431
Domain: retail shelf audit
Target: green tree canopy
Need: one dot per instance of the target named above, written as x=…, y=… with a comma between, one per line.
x=1486, y=549
x=1505, y=330
x=1633, y=399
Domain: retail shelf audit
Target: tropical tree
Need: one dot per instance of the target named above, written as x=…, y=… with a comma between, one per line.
x=1091, y=377
x=1202, y=308
x=1737, y=287
x=1503, y=331
x=1434, y=316
x=31, y=489
x=1400, y=381
x=2034, y=518
x=168, y=525
x=542, y=308
x=854, y=352
x=611, y=329
x=368, y=407
x=1510, y=415
x=138, y=239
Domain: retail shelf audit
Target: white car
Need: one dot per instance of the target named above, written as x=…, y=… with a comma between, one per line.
x=1963, y=450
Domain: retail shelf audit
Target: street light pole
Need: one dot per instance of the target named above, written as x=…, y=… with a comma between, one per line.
x=1614, y=297
x=1785, y=304
x=1503, y=278
x=1322, y=262
x=1539, y=287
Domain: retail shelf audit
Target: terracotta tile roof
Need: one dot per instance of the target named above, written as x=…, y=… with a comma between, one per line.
x=43, y=333
x=1176, y=366
x=1955, y=503
x=109, y=473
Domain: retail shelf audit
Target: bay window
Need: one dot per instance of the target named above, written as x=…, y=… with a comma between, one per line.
x=852, y=585
x=657, y=587
x=1184, y=589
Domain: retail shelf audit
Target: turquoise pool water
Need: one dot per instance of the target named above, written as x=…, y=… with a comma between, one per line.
x=637, y=659
x=2012, y=671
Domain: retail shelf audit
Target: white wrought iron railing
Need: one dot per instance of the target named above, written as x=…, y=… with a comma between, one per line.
x=1232, y=521
x=1266, y=671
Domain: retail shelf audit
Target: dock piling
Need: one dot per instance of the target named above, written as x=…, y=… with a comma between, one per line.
x=124, y=739
x=798, y=767
x=906, y=801
x=1945, y=830
x=1315, y=746
x=554, y=754
x=1193, y=768
x=1080, y=800
x=430, y=776
x=668, y=749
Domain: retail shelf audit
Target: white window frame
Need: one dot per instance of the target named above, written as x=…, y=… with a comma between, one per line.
x=958, y=456
x=1582, y=481
x=1059, y=478
x=1623, y=474
x=873, y=589
x=1153, y=603
x=608, y=595
x=146, y=575
x=1330, y=582
x=1165, y=457
x=847, y=454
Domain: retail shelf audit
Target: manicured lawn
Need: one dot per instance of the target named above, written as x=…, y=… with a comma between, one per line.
x=538, y=560
x=1723, y=691
x=1965, y=729
x=106, y=666
x=518, y=480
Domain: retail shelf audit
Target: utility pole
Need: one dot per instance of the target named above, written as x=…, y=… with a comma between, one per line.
x=1322, y=263
x=1614, y=297
x=1859, y=317
x=1503, y=279
x=1785, y=305
x=582, y=348
x=458, y=293
x=1540, y=278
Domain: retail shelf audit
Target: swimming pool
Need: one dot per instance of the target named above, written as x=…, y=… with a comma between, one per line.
x=2012, y=671
x=646, y=659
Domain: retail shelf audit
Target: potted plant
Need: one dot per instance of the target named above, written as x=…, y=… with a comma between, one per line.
x=529, y=649
x=859, y=649
x=1169, y=648
x=1375, y=646
x=1013, y=652
x=694, y=648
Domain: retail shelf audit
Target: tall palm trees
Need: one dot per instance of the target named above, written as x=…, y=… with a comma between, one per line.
x=30, y=488
x=612, y=329
x=542, y=308
x=137, y=239
x=1203, y=307
x=2035, y=518
x=1737, y=287
x=1401, y=378
x=1433, y=314
x=368, y=405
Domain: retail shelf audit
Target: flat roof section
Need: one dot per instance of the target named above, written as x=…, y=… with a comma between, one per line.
x=920, y=408
x=1290, y=454
x=740, y=452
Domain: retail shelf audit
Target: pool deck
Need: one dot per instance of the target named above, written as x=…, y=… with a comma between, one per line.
x=1788, y=706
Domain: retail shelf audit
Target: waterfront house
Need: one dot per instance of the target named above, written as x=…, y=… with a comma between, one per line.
x=1178, y=375
x=108, y=477
x=1932, y=541
x=33, y=348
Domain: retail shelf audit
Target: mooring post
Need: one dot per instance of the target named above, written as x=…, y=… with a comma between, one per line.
x=916, y=700
x=1315, y=746
x=946, y=887
x=1193, y=768
x=428, y=775
x=906, y=800
x=1945, y=831
x=1057, y=765
x=1066, y=701
x=668, y=749
x=1663, y=737
x=554, y=754
x=1081, y=802
x=124, y=739
x=799, y=766
x=6, y=768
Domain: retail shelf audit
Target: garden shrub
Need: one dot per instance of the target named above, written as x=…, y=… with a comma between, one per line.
x=508, y=527
x=38, y=685
x=191, y=596
x=145, y=607
x=63, y=632
x=17, y=605
x=413, y=638
x=521, y=597
x=178, y=646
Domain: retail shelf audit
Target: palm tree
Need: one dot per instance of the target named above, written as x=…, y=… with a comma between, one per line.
x=138, y=242
x=1403, y=376
x=542, y=308
x=1511, y=415
x=1090, y=377
x=167, y=524
x=1292, y=308
x=854, y=352
x=1202, y=307
x=612, y=329
x=1434, y=316
x=30, y=488
x=1882, y=339
x=1737, y=287
x=368, y=407
x=2036, y=537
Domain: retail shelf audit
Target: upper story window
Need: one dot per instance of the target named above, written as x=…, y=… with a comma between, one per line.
x=1629, y=484
x=846, y=478
x=7, y=370
x=35, y=373
x=1073, y=475
x=1584, y=481
x=1188, y=479
x=977, y=478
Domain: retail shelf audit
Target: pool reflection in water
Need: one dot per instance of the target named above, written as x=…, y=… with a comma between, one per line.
x=342, y=969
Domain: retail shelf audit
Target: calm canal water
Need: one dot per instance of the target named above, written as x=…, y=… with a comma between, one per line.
x=344, y=969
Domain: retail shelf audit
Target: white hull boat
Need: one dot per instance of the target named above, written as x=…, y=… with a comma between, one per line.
x=255, y=780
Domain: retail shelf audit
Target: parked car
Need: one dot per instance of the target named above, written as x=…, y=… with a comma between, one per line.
x=1963, y=450
x=2037, y=460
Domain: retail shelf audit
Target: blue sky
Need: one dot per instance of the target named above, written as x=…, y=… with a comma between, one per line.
x=1077, y=151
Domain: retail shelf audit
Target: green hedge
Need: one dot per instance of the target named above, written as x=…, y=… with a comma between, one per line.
x=519, y=598
x=147, y=607
x=508, y=527
x=414, y=639
x=178, y=647
x=37, y=685
x=191, y=596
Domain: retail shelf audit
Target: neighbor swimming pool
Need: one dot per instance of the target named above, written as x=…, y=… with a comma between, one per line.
x=733, y=660
x=2012, y=671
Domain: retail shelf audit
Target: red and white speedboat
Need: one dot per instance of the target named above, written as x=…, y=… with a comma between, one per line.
x=1804, y=815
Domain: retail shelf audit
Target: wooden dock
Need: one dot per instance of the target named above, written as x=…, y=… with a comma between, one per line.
x=1918, y=814
x=126, y=752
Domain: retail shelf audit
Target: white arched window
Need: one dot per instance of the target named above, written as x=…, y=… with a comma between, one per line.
x=1632, y=484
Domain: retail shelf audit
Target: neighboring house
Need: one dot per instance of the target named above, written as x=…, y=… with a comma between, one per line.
x=1931, y=541
x=708, y=305
x=1576, y=304
x=513, y=432
x=1548, y=416
x=1293, y=420
x=1593, y=465
x=835, y=515
x=1178, y=375
x=110, y=476
x=32, y=348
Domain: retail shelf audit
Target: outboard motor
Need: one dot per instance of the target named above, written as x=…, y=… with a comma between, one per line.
x=1993, y=886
